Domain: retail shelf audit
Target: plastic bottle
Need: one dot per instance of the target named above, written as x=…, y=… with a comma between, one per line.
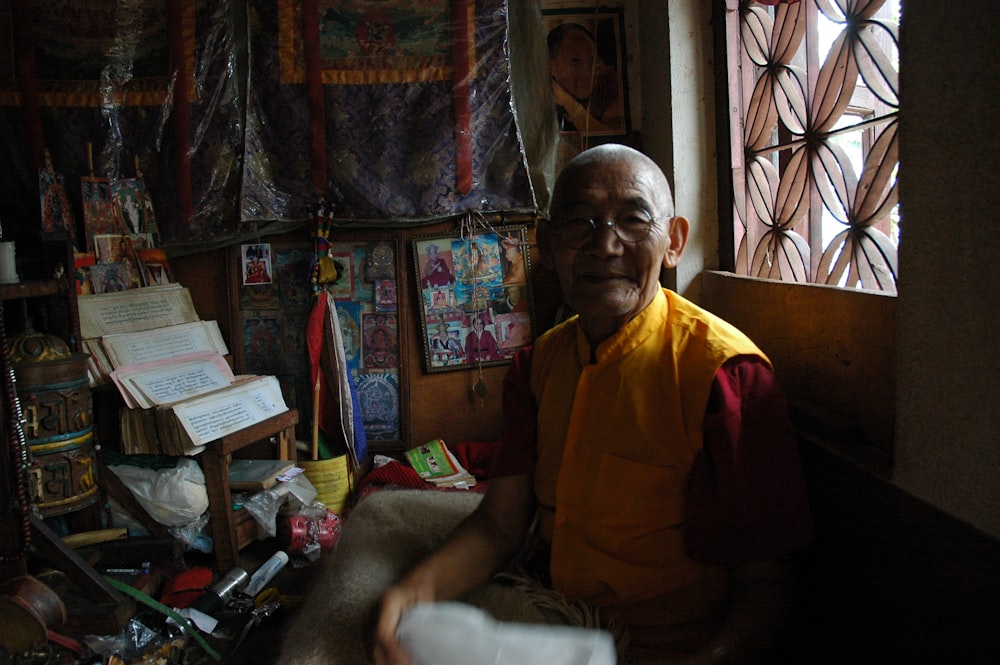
x=266, y=573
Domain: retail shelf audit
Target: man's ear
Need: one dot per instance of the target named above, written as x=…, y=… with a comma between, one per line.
x=677, y=236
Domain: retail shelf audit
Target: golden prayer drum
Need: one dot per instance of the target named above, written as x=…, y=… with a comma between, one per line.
x=58, y=424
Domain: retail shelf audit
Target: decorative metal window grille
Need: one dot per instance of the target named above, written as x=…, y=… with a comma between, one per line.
x=813, y=92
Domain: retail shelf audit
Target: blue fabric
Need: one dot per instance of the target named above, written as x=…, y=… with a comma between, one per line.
x=360, y=439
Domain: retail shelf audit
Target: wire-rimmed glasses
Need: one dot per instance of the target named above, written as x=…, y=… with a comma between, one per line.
x=576, y=231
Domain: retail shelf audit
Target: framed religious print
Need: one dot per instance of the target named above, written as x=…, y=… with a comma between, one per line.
x=588, y=68
x=273, y=313
x=475, y=296
x=365, y=293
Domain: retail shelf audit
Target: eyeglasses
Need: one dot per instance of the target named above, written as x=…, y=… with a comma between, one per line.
x=576, y=232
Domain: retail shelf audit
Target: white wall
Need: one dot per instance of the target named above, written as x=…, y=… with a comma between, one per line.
x=948, y=403
x=678, y=122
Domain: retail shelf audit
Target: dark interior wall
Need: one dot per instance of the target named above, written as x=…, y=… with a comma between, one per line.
x=890, y=578
x=949, y=305
x=437, y=405
x=833, y=350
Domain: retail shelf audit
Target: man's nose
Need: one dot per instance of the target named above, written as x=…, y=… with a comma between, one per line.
x=605, y=238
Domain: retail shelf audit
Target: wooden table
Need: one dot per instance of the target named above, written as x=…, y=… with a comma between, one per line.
x=224, y=521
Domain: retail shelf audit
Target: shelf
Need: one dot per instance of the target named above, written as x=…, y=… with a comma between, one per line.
x=32, y=288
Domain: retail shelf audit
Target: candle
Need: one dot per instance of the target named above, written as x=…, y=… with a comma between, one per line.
x=8, y=267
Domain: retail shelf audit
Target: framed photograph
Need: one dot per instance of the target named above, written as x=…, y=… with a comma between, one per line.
x=121, y=249
x=57, y=216
x=256, y=263
x=263, y=341
x=82, y=262
x=155, y=266
x=379, y=341
x=475, y=297
x=291, y=275
x=588, y=69
x=109, y=277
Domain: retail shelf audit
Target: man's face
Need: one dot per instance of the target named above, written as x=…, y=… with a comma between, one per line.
x=573, y=65
x=607, y=280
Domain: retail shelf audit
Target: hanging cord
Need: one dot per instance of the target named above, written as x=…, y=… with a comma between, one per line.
x=472, y=224
x=17, y=448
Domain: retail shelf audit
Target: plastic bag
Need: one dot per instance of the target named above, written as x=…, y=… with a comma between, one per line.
x=453, y=632
x=172, y=496
x=264, y=505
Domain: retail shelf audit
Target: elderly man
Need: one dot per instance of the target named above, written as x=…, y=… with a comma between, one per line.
x=649, y=437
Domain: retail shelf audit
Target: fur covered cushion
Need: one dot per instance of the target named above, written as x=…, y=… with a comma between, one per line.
x=387, y=534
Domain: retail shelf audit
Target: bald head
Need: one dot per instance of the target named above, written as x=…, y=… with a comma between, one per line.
x=610, y=230
x=604, y=156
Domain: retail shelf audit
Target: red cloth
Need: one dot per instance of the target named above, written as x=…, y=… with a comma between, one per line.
x=475, y=456
x=186, y=587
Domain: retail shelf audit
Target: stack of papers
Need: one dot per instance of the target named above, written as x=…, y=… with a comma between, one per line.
x=436, y=464
x=170, y=367
x=142, y=325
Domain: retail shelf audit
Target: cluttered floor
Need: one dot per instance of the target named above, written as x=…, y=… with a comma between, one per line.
x=257, y=639
x=249, y=629
x=159, y=581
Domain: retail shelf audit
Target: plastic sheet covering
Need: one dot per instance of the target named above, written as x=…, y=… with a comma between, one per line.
x=111, y=84
x=389, y=85
x=212, y=101
x=531, y=90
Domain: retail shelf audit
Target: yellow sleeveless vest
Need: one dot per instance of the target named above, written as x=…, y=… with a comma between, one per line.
x=616, y=441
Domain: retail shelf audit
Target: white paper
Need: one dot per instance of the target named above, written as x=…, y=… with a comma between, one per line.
x=446, y=633
x=161, y=343
x=217, y=414
x=172, y=380
x=202, y=621
x=134, y=310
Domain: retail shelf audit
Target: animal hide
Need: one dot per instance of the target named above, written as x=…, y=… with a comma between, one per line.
x=387, y=534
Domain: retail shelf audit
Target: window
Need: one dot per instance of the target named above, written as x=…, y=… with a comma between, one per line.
x=813, y=104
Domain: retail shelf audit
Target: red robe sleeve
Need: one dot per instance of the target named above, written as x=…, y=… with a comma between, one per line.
x=746, y=494
x=520, y=431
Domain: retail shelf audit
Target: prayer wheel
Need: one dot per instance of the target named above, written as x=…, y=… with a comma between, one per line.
x=54, y=390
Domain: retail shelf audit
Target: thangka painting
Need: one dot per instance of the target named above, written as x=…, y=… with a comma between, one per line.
x=475, y=304
x=273, y=316
x=403, y=111
x=167, y=105
x=416, y=100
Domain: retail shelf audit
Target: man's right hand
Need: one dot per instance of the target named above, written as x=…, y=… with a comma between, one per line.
x=481, y=544
x=386, y=649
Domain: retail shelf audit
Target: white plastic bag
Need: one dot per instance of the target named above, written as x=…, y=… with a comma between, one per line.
x=173, y=497
x=451, y=633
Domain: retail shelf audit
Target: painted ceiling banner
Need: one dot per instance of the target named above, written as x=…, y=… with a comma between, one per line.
x=394, y=110
x=112, y=89
x=240, y=114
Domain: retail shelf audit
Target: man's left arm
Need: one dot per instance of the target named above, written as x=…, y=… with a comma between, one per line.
x=747, y=507
x=760, y=600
